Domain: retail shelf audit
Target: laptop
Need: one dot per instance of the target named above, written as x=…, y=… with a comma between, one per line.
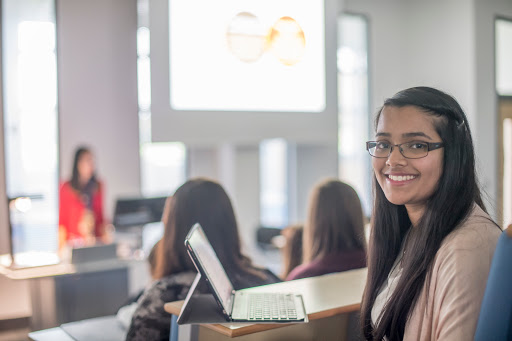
x=235, y=305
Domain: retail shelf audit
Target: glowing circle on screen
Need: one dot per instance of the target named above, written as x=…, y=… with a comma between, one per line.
x=246, y=37
x=287, y=41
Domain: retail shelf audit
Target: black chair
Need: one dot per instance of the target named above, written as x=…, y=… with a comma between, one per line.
x=264, y=236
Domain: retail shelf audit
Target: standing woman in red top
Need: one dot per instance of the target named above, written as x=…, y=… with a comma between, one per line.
x=81, y=219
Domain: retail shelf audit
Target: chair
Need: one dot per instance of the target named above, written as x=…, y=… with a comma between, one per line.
x=495, y=320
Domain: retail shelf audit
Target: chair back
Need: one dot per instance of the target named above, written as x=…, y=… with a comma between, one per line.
x=495, y=320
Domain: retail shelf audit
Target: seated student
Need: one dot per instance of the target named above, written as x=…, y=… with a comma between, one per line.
x=431, y=240
x=125, y=313
x=291, y=250
x=196, y=201
x=333, y=237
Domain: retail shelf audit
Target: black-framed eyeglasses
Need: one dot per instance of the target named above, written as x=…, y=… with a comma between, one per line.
x=409, y=150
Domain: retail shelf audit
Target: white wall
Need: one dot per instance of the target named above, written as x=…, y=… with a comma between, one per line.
x=236, y=127
x=98, y=90
x=313, y=164
x=444, y=44
x=419, y=43
x=203, y=162
x=225, y=145
x=486, y=134
x=386, y=46
x=237, y=168
x=246, y=193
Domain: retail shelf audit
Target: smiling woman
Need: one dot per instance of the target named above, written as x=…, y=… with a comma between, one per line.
x=407, y=178
x=431, y=240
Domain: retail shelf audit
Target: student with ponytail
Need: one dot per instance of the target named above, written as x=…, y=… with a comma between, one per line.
x=431, y=240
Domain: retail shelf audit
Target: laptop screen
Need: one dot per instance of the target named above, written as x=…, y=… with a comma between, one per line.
x=211, y=266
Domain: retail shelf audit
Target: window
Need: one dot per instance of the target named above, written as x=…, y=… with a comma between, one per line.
x=163, y=167
x=30, y=128
x=273, y=183
x=503, y=55
x=353, y=99
x=503, y=29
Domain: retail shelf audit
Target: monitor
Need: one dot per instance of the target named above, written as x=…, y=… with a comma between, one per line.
x=131, y=212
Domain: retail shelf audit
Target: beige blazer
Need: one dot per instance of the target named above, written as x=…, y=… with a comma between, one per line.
x=450, y=310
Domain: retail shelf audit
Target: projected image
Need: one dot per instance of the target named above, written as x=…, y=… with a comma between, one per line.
x=287, y=41
x=248, y=39
x=246, y=55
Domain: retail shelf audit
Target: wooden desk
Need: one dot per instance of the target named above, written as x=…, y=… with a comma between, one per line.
x=67, y=292
x=328, y=301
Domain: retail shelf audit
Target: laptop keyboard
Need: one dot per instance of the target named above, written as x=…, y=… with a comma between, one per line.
x=271, y=306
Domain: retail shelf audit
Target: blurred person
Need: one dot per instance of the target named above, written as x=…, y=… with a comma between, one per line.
x=291, y=249
x=81, y=220
x=205, y=202
x=333, y=237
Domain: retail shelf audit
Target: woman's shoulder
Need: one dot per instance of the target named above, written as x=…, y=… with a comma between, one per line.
x=167, y=289
x=301, y=271
x=459, y=276
x=316, y=267
x=330, y=263
x=67, y=192
x=477, y=230
x=150, y=321
x=182, y=279
x=473, y=241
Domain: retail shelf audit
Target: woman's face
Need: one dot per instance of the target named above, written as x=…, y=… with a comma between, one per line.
x=409, y=182
x=85, y=166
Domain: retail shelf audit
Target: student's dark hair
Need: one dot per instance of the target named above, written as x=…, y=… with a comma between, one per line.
x=292, y=249
x=205, y=202
x=75, y=176
x=445, y=210
x=335, y=221
x=152, y=257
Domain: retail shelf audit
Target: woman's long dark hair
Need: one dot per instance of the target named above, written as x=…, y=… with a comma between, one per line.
x=292, y=249
x=335, y=221
x=75, y=176
x=205, y=202
x=445, y=210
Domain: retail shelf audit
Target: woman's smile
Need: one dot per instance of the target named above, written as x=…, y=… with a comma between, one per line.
x=400, y=179
x=404, y=180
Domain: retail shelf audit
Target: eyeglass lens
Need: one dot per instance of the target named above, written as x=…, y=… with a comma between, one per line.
x=408, y=150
